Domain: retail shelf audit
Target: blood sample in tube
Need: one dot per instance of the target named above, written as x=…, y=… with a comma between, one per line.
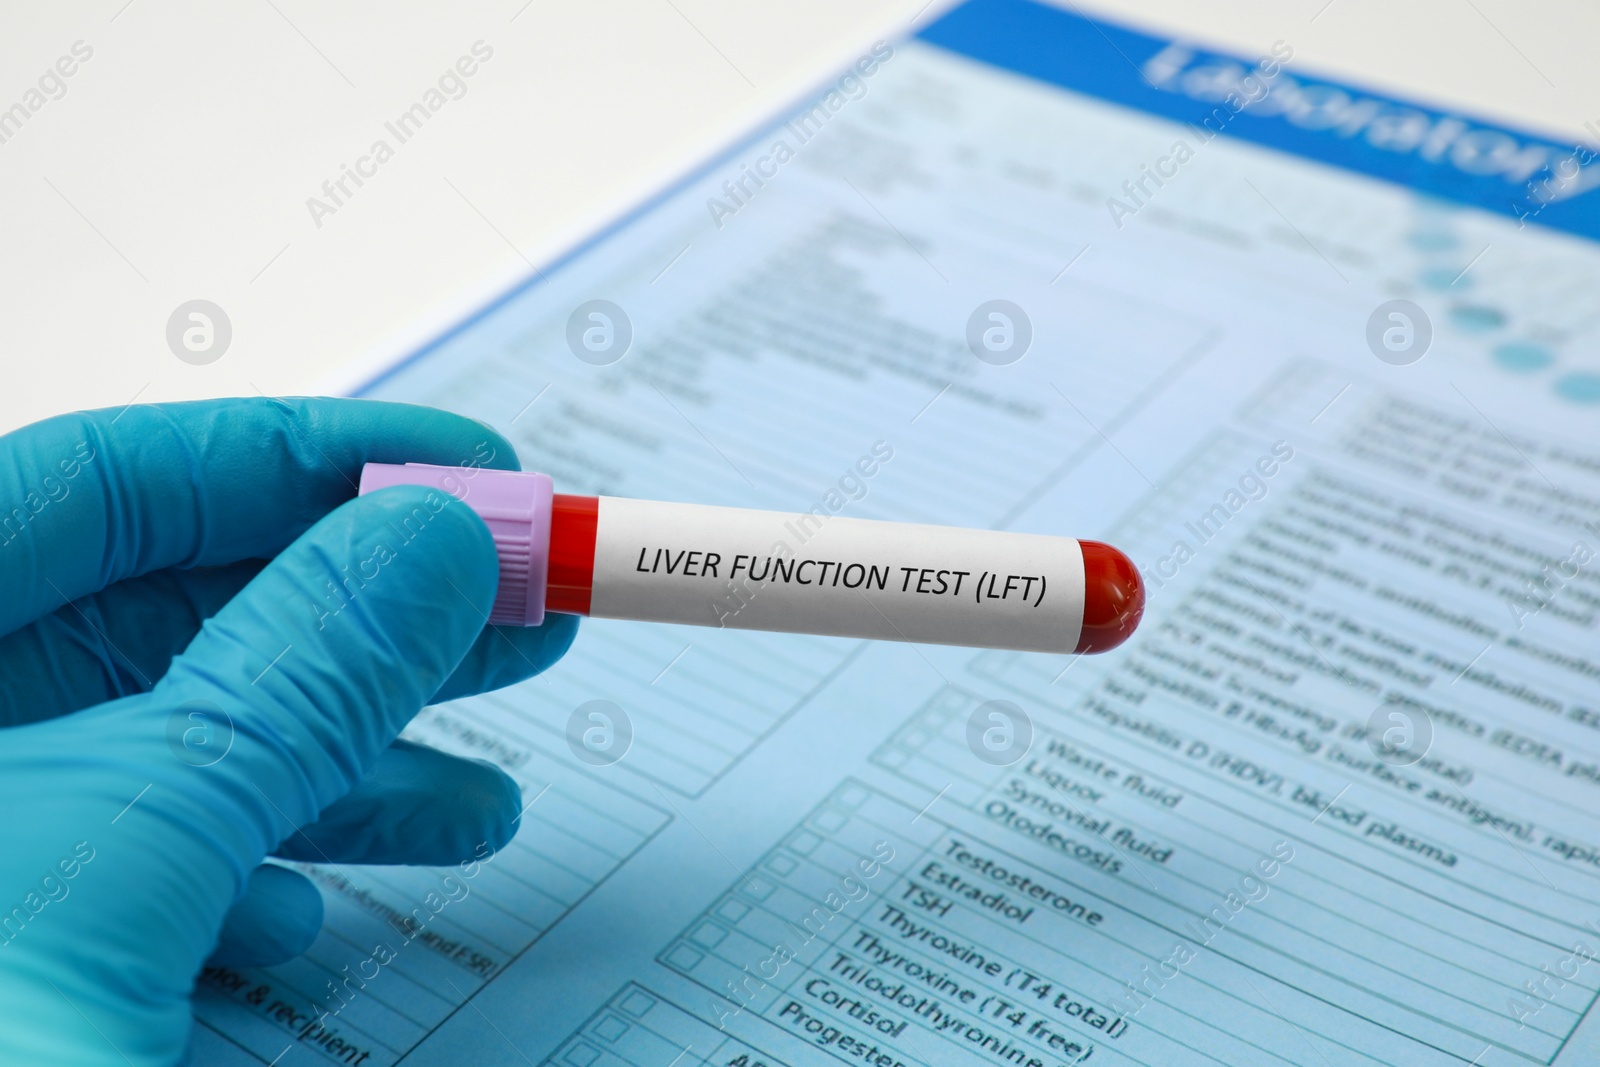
x=703, y=565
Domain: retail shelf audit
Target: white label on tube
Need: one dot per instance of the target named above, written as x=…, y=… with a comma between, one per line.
x=767, y=570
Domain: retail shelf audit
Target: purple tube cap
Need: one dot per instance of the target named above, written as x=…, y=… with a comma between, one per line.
x=515, y=505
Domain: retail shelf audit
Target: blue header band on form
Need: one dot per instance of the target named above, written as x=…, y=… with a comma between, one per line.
x=1445, y=154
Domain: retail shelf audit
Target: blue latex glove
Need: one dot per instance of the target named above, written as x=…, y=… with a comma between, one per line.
x=137, y=613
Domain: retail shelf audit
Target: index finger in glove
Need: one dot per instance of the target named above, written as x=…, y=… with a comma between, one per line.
x=312, y=689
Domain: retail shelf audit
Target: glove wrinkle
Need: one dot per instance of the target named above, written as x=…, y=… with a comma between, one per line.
x=417, y=806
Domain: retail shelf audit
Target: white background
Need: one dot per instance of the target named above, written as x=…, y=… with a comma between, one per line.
x=179, y=162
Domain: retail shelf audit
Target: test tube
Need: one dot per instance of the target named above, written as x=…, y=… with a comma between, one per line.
x=808, y=572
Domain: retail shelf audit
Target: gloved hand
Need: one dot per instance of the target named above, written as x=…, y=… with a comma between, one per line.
x=142, y=626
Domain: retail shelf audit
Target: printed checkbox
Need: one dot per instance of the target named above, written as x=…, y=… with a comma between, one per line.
x=805, y=842
x=609, y=1029
x=756, y=889
x=732, y=910
x=581, y=1055
x=894, y=758
x=684, y=958
x=828, y=820
x=708, y=935
x=637, y=1003
x=781, y=864
x=851, y=796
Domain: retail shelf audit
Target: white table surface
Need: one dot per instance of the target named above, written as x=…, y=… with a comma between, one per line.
x=178, y=163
